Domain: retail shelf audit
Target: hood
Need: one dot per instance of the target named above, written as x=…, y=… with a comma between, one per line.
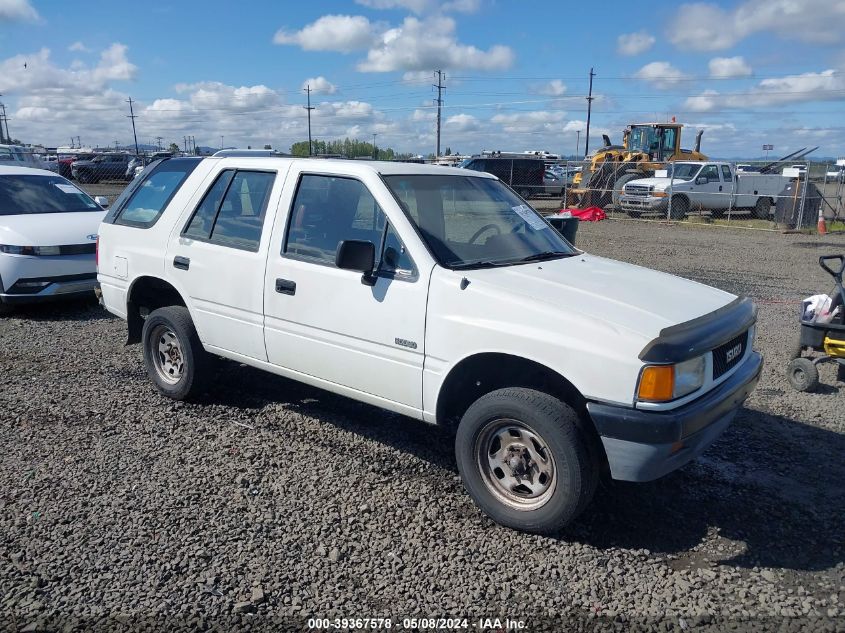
x=50, y=229
x=622, y=295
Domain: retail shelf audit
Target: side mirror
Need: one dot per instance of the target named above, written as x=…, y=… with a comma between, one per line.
x=702, y=180
x=360, y=256
x=102, y=201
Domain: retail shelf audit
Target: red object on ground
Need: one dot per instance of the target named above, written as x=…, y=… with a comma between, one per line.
x=590, y=214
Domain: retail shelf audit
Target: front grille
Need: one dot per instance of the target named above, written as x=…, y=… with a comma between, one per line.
x=78, y=249
x=727, y=356
x=636, y=190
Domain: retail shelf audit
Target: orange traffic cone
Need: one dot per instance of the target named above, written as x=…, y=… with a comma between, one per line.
x=822, y=227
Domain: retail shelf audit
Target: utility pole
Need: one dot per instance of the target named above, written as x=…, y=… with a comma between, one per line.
x=439, y=86
x=589, y=110
x=577, y=141
x=308, y=108
x=5, y=119
x=221, y=141
x=132, y=116
x=375, y=153
x=2, y=118
x=185, y=144
x=159, y=139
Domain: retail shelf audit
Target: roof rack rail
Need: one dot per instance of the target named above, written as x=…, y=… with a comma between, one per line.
x=241, y=153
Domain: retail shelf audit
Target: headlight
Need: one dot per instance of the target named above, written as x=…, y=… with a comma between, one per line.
x=660, y=383
x=658, y=194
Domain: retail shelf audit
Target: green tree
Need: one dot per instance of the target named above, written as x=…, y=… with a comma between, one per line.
x=173, y=149
x=268, y=146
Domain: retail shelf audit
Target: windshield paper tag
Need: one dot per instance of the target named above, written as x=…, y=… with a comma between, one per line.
x=67, y=188
x=527, y=214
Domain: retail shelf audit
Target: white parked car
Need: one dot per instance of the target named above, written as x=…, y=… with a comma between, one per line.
x=437, y=293
x=48, y=232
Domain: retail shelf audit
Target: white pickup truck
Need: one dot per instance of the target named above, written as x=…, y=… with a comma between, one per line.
x=702, y=186
x=436, y=293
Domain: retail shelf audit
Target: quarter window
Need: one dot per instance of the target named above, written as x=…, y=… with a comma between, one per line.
x=726, y=173
x=148, y=201
x=232, y=211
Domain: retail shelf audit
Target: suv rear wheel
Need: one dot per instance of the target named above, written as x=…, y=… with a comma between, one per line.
x=524, y=461
x=173, y=354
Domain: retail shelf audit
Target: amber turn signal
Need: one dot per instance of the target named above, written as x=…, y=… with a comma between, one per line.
x=657, y=383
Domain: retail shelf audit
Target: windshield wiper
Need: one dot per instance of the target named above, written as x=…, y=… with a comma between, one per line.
x=536, y=257
x=481, y=263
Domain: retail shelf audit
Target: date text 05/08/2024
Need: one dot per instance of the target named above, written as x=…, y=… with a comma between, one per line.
x=433, y=624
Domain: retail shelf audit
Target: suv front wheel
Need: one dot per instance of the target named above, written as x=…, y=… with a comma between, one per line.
x=524, y=460
x=173, y=354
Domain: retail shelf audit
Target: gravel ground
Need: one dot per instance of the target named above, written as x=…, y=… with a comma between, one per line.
x=269, y=502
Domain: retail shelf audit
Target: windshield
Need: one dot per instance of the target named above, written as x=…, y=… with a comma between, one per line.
x=21, y=195
x=642, y=138
x=469, y=221
x=683, y=171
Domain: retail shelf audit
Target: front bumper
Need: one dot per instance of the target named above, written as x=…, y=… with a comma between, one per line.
x=643, y=203
x=66, y=286
x=644, y=445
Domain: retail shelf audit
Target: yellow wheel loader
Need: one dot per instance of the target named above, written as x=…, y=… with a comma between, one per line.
x=646, y=147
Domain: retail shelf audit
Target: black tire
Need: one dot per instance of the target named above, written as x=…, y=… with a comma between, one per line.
x=796, y=350
x=717, y=214
x=680, y=208
x=83, y=177
x=6, y=309
x=802, y=374
x=840, y=372
x=762, y=208
x=531, y=414
x=634, y=214
x=617, y=187
x=189, y=372
x=524, y=193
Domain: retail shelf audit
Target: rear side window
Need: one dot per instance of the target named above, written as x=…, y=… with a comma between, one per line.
x=148, y=201
x=726, y=173
x=232, y=211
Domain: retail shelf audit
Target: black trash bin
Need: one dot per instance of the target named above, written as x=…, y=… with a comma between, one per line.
x=566, y=226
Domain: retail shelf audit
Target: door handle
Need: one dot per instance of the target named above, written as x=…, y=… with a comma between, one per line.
x=720, y=187
x=286, y=286
x=182, y=263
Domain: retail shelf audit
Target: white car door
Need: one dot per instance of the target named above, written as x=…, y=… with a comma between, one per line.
x=217, y=254
x=324, y=322
x=709, y=195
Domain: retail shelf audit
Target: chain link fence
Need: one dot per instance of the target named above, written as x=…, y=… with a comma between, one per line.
x=753, y=194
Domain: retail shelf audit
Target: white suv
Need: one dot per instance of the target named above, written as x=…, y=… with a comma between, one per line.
x=436, y=293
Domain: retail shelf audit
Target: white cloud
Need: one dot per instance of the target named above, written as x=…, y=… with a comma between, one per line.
x=424, y=6
x=634, y=43
x=708, y=27
x=342, y=33
x=554, y=88
x=660, y=74
x=828, y=85
x=320, y=85
x=531, y=122
x=78, y=47
x=726, y=67
x=17, y=11
x=462, y=123
x=431, y=43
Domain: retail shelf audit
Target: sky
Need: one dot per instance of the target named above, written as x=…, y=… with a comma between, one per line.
x=748, y=72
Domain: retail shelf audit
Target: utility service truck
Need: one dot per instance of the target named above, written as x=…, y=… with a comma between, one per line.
x=716, y=187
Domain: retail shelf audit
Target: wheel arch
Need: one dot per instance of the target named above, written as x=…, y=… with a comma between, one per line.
x=145, y=294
